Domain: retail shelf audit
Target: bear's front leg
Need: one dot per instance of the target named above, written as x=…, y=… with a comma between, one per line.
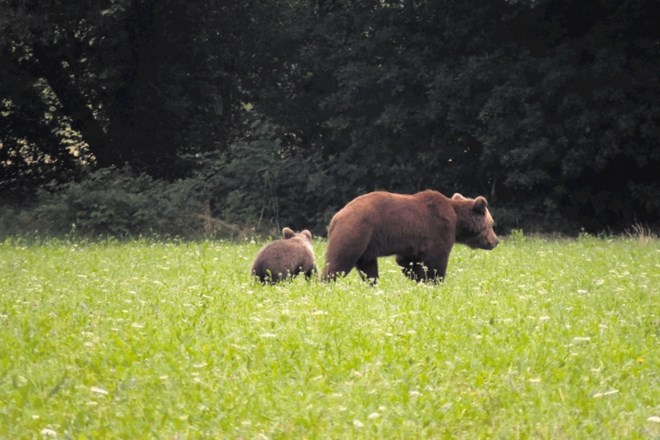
x=436, y=267
x=412, y=268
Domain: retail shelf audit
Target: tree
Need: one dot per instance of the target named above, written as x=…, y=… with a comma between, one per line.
x=547, y=107
x=572, y=127
x=137, y=82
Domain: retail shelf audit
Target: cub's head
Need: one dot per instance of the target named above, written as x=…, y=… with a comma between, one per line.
x=474, y=226
x=305, y=235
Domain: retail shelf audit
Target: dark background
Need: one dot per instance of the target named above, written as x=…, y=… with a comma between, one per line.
x=198, y=118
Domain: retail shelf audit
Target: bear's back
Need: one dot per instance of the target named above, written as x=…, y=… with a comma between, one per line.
x=408, y=209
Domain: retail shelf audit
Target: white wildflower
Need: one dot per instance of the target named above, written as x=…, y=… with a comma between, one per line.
x=98, y=390
x=47, y=432
x=605, y=393
x=581, y=339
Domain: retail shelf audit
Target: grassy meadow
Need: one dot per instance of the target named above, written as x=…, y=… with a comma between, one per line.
x=540, y=338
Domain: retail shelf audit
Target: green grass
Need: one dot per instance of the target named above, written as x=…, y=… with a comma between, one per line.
x=539, y=338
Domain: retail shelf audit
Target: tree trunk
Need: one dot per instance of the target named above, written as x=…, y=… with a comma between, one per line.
x=75, y=106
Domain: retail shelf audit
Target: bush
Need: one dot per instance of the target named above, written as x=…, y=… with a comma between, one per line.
x=268, y=184
x=118, y=203
x=258, y=186
x=107, y=202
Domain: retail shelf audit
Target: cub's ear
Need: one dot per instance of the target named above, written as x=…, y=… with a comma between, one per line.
x=288, y=232
x=480, y=205
x=307, y=234
x=458, y=196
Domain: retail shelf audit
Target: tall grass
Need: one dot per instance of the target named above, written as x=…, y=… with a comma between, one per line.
x=539, y=338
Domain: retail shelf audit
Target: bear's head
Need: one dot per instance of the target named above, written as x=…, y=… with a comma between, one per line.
x=305, y=235
x=474, y=226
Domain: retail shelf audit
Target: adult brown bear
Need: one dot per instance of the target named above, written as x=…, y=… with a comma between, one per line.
x=420, y=229
x=285, y=258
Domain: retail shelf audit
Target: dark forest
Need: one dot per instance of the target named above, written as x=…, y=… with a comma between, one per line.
x=180, y=118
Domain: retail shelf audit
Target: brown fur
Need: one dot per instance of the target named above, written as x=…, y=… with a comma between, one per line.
x=420, y=229
x=285, y=258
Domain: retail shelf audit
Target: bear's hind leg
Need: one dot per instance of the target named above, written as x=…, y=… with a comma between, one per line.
x=310, y=273
x=332, y=271
x=368, y=269
x=343, y=252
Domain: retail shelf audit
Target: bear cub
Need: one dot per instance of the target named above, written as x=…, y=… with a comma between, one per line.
x=285, y=258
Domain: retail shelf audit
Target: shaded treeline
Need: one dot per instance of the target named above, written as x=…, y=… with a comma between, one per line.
x=277, y=112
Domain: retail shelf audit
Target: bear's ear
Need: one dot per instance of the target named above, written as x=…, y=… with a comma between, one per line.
x=307, y=234
x=288, y=232
x=480, y=205
x=457, y=196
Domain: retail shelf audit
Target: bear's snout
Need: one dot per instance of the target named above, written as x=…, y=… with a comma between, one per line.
x=485, y=243
x=490, y=243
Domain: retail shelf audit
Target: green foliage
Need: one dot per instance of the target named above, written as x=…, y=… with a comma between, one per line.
x=258, y=187
x=546, y=107
x=268, y=183
x=563, y=127
x=533, y=104
x=517, y=235
x=536, y=339
x=118, y=203
x=138, y=82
